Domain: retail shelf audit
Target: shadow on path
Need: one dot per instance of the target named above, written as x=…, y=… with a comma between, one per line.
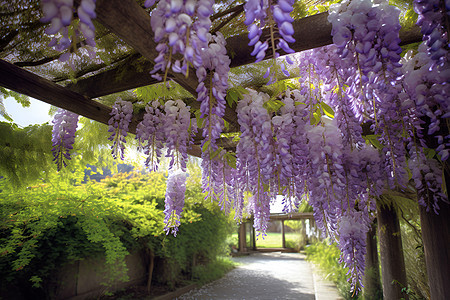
x=262, y=276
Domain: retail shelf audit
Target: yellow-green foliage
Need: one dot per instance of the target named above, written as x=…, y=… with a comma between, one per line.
x=48, y=225
x=326, y=257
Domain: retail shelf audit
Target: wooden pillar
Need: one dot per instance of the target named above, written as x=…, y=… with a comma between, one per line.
x=283, y=236
x=242, y=236
x=304, y=237
x=254, y=238
x=391, y=253
x=436, y=242
x=150, y=270
x=371, y=281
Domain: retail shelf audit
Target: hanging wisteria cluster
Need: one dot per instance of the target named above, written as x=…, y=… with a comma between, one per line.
x=121, y=115
x=60, y=15
x=63, y=136
x=312, y=146
x=276, y=16
x=176, y=33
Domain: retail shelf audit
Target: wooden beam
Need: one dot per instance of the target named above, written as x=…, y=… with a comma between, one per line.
x=237, y=48
x=32, y=85
x=291, y=216
x=129, y=21
x=22, y=81
x=132, y=73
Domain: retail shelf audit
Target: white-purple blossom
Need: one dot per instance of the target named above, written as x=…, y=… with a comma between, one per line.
x=258, y=14
x=180, y=27
x=174, y=201
x=60, y=14
x=150, y=134
x=63, y=136
x=176, y=126
x=121, y=115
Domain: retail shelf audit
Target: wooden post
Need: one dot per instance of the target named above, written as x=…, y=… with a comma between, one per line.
x=242, y=238
x=372, y=284
x=436, y=242
x=150, y=270
x=254, y=238
x=391, y=253
x=283, y=236
x=304, y=237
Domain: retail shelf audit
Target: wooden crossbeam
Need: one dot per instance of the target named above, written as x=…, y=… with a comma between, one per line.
x=310, y=32
x=132, y=73
x=32, y=85
x=131, y=23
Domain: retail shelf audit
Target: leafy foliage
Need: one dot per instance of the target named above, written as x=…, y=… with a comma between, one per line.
x=25, y=153
x=52, y=224
x=326, y=256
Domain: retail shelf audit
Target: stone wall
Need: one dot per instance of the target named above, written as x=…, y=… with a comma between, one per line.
x=83, y=279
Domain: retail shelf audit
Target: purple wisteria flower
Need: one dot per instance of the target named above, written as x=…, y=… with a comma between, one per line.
x=60, y=14
x=258, y=14
x=180, y=27
x=121, y=115
x=174, y=201
x=367, y=36
x=63, y=136
x=150, y=134
x=176, y=126
x=255, y=154
x=353, y=229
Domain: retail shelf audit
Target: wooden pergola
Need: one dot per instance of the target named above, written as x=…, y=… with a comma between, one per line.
x=130, y=22
x=281, y=217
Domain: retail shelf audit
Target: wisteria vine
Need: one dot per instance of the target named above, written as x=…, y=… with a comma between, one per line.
x=63, y=136
x=312, y=146
x=60, y=14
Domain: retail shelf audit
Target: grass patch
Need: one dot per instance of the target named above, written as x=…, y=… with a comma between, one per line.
x=272, y=240
x=326, y=257
x=203, y=274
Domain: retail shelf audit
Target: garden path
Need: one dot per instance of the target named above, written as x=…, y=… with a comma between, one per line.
x=268, y=276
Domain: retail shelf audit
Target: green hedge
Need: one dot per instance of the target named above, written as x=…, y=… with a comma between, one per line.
x=49, y=225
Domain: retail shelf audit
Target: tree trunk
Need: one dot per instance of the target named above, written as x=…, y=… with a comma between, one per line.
x=391, y=253
x=150, y=270
x=372, y=284
x=436, y=242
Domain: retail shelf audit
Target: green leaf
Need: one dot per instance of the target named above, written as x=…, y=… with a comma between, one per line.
x=273, y=105
x=372, y=139
x=327, y=109
x=429, y=153
x=230, y=159
x=206, y=146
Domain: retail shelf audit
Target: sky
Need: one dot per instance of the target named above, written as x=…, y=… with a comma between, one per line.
x=36, y=113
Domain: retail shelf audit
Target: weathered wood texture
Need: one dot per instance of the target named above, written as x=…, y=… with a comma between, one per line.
x=133, y=72
x=371, y=281
x=391, y=253
x=131, y=23
x=27, y=83
x=436, y=241
x=310, y=32
x=291, y=216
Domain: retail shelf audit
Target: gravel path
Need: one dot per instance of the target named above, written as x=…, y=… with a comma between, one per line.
x=262, y=276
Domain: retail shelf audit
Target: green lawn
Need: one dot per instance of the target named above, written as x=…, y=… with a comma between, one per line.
x=272, y=240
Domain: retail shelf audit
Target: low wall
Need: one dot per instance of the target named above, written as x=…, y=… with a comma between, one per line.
x=83, y=279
